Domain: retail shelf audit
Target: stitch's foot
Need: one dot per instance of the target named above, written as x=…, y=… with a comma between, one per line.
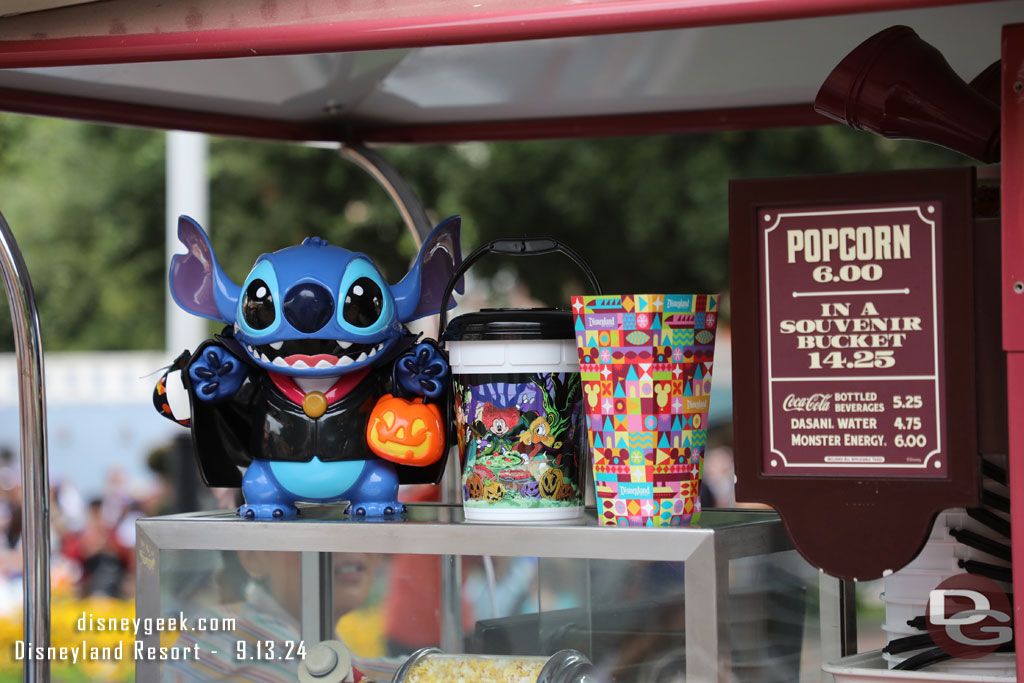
x=375, y=509
x=267, y=511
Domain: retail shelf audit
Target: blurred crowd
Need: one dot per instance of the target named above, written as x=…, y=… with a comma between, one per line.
x=92, y=538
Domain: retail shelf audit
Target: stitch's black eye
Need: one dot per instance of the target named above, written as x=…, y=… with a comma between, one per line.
x=363, y=303
x=258, y=305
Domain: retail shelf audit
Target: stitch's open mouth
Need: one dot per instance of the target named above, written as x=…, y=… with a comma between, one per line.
x=320, y=354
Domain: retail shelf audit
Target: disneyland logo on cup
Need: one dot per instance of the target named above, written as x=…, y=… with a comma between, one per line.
x=807, y=404
x=677, y=303
x=601, y=322
x=969, y=616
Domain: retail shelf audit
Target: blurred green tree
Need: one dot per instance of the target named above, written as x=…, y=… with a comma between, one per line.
x=86, y=203
x=651, y=213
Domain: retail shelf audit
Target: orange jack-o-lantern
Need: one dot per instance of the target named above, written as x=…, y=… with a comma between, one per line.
x=475, y=486
x=406, y=432
x=565, y=492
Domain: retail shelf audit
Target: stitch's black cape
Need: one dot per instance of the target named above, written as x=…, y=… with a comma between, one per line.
x=260, y=422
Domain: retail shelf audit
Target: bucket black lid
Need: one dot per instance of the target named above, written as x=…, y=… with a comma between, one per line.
x=510, y=324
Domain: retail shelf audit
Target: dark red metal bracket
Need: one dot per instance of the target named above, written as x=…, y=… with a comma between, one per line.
x=1013, y=297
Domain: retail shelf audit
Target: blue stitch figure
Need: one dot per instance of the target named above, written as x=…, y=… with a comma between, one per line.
x=314, y=338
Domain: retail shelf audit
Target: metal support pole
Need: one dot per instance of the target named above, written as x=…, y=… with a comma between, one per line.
x=847, y=618
x=416, y=221
x=35, y=489
x=452, y=637
x=706, y=615
x=837, y=605
x=451, y=480
x=404, y=197
x=147, y=602
x=317, y=597
x=188, y=192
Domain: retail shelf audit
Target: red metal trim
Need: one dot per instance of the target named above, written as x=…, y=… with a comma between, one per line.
x=658, y=123
x=1013, y=303
x=1015, y=406
x=102, y=33
x=1013, y=188
x=122, y=113
x=107, y=111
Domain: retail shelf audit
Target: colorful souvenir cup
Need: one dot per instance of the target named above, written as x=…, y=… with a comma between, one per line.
x=645, y=362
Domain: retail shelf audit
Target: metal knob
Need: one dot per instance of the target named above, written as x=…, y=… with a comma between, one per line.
x=326, y=662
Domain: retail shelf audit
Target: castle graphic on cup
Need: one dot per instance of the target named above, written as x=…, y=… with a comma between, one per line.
x=645, y=362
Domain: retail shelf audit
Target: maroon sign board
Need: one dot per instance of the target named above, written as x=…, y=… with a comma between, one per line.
x=853, y=327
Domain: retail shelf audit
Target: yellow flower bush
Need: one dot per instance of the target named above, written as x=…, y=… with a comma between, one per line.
x=64, y=632
x=362, y=630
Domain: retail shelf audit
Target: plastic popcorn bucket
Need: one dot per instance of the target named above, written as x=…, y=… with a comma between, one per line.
x=518, y=418
x=645, y=364
x=517, y=402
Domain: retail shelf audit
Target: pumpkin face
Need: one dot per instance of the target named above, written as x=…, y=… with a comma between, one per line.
x=475, y=487
x=550, y=483
x=405, y=432
x=565, y=492
x=531, y=489
x=494, y=492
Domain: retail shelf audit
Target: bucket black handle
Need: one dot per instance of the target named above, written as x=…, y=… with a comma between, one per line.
x=525, y=246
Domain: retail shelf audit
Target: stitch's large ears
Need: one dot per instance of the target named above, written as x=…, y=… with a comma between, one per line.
x=419, y=293
x=198, y=285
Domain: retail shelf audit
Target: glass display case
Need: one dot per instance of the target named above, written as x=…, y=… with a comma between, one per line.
x=721, y=600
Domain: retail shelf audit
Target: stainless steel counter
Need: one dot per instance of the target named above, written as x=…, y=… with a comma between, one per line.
x=439, y=529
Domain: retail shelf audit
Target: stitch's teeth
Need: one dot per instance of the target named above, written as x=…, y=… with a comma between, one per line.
x=277, y=345
x=263, y=357
x=300, y=364
x=251, y=350
x=323, y=365
x=345, y=360
x=362, y=357
x=280, y=361
x=343, y=344
x=373, y=352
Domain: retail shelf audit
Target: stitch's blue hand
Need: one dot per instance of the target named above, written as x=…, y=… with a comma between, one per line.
x=217, y=375
x=422, y=371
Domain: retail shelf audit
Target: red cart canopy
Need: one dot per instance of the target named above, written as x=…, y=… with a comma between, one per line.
x=448, y=70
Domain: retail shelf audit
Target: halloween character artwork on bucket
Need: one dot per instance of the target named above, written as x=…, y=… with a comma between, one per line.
x=522, y=440
x=315, y=387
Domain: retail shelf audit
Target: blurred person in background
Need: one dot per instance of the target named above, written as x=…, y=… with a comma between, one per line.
x=96, y=549
x=10, y=547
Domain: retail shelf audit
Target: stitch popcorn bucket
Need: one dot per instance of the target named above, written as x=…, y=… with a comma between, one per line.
x=645, y=362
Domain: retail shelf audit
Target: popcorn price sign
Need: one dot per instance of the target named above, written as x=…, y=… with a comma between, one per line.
x=850, y=306
x=855, y=396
